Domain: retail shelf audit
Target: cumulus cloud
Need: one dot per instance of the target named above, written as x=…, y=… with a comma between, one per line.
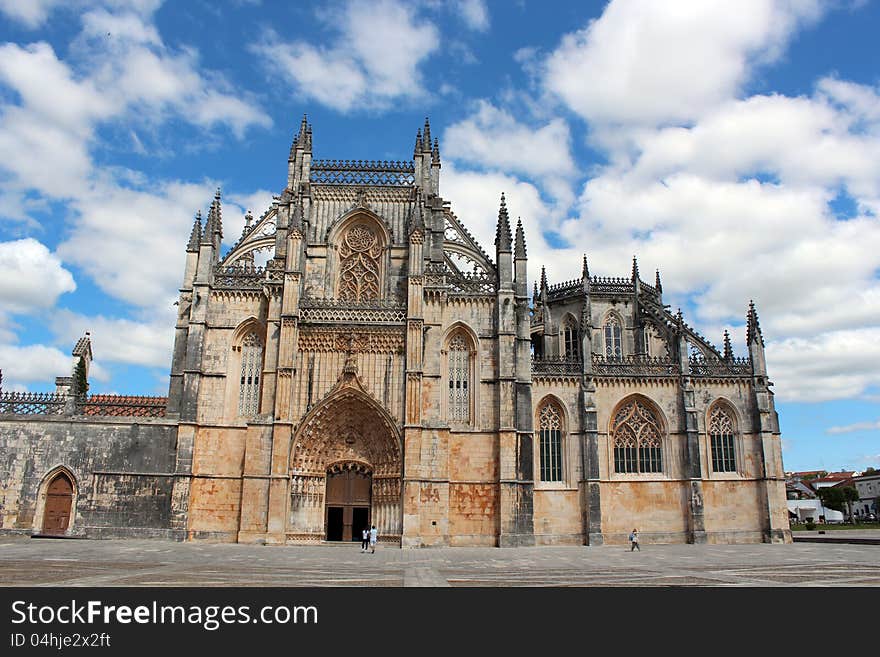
x=474, y=13
x=382, y=45
x=32, y=276
x=645, y=62
x=120, y=340
x=32, y=363
x=493, y=138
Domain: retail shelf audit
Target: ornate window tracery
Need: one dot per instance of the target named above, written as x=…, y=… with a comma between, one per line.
x=459, y=379
x=722, y=434
x=251, y=366
x=612, y=338
x=550, y=441
x=636, y=436
x=359, y=270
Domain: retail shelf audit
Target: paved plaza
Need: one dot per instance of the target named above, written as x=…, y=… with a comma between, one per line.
x=46, y=562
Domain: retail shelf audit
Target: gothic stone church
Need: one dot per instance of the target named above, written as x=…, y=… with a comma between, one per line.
x=357, y=358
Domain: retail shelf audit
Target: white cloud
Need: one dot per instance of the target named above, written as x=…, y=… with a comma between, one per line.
x=474, y=13
x=493, y=138
x=120, y=340
x=154, y=224
x=377, y=62
x=649, y=62
x=32, y=363
x=852, y=428
x=31, y=277
x=30, y=13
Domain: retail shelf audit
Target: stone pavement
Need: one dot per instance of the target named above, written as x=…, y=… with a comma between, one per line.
x=57, y=562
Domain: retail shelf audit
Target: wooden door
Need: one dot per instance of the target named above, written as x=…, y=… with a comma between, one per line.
x=59, y=500
x=348, y=491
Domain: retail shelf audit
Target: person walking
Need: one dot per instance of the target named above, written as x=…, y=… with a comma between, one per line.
x=374, y=536
x=634, y=540
x=365, y=538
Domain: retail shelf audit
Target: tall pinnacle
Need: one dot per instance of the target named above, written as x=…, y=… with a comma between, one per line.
x=435, y=153
x=503, y=238
x=218, y=214
x=196, y=235
x=657, y=282
x=520, y=248
x=753, y=327
x=543, y=281
x=585, y=270
x=635, y=270
x=418, y=147
x=728, y=350
x=426, y=137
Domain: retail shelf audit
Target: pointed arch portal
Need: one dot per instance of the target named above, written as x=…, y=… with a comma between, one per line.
x=345, y=470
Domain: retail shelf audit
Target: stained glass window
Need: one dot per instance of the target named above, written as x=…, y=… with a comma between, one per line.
x=636, y=436
x=550, y=442
x=722, y=431
x=612, y=338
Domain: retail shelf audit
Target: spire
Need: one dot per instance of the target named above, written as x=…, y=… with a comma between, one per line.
x=218, y=214
x=304, y=138
x=435, y=153
x=657, y=282
x=753, y=328
x=543, y=281
x=679, y=318
x=426, y=138
x=418, y=147
x=520, y=249
x=503, y=238
x=585, y=270
x=535, y=294
x=635, y=271
x=209, y=224
x=728, y=350
x=196, y=235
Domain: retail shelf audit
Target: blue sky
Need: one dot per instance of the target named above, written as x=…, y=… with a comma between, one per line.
x=733, y=146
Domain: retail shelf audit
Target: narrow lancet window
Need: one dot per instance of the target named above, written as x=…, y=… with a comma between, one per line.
x=722, y=431
x=612, y=338
x=251, y=366
x=550, y=442
x=459, y=380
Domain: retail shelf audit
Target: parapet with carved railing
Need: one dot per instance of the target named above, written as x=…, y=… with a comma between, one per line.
x=32, y=403
x=470, y=283
x=362, y=172
x=700, y=366
x=568, y=288
x=604, y=285
x=635, y=365
x=41, y=403
x=335, y=311
x=237, y=277
x=556, y=367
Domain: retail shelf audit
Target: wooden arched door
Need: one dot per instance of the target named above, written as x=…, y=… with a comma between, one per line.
x=59, y=502
x=348, y=501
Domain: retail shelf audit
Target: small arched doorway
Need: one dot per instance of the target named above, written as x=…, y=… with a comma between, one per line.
x=347, y=501
x=59, y=502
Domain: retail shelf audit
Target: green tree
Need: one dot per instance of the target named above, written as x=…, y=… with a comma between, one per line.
x=839, y=498
x=869, y=471
x=80, y=380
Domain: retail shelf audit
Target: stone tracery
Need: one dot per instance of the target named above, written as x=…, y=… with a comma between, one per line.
x=359, y=271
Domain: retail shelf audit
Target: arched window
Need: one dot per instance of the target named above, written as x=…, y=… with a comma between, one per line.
x=359, y=252
x=612, y=338
x=722, y=432
x=636, y=435
x=459, y=379
x=570, y=338
x=550, y=441
x=251, y=367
